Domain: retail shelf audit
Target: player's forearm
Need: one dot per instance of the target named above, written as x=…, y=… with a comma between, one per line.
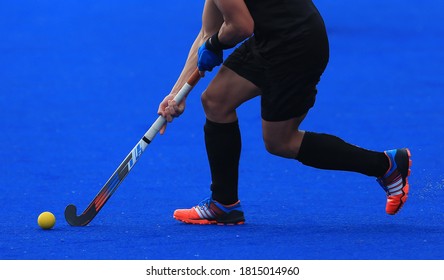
x=190, y=64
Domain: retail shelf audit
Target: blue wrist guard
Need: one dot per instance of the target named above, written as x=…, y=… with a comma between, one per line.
x=210, y=54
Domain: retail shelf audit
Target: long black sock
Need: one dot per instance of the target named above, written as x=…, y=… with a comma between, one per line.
x=223, y=144
x=330, y=152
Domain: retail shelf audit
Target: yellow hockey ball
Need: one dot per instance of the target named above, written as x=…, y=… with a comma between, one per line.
x=46, y=220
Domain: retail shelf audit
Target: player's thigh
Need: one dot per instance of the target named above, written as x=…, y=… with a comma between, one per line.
x=226, y=92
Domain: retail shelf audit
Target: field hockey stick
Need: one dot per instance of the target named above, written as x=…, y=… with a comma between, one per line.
x=124, y=168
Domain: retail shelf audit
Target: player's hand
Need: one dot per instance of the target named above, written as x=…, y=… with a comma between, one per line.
x=207, y=58
x=169, y=109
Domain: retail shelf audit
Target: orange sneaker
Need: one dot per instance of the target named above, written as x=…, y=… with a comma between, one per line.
x=395, y=181
x=210, y=212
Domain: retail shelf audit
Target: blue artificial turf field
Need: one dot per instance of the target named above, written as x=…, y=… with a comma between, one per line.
x=81, y=82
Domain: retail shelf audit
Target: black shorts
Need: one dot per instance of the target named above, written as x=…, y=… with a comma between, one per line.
x=287, y=77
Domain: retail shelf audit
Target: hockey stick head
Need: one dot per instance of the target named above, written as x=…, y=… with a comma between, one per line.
x=71, y=214
x=82, y=220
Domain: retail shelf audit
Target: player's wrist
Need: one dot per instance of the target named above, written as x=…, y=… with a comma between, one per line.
x=213, y=44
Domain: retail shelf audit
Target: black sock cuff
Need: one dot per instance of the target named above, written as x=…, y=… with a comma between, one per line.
x=305, y=145
x=212, y=126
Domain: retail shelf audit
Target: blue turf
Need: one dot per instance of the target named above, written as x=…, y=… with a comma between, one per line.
x=81, y=82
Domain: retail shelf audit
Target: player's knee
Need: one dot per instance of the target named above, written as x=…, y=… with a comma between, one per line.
x=274, y=147
x=208, y=103
x=214, y=109
x=280, y=145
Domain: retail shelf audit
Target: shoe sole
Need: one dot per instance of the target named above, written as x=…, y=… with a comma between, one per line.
x=208, y=222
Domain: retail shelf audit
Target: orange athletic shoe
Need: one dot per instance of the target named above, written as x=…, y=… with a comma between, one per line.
x=209, y=212
x=395, y=181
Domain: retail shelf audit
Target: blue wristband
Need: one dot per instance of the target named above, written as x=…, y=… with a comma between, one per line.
x=208, y=59
x=210, y=54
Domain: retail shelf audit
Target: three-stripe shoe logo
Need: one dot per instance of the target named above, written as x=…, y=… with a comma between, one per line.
x=396, y=184
x=205, y=212
x=208, y=210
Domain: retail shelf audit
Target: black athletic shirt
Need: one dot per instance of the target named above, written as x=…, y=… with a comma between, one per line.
x=283, y=21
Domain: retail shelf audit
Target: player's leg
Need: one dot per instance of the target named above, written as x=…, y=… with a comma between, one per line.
x=325, y=151
x=283, y=104
x=321, y=151
x=288, y=94
x=224, y=94
x=236, y=82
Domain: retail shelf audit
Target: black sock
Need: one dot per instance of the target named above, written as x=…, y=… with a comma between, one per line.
x=330, y=152
x=223, y=144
